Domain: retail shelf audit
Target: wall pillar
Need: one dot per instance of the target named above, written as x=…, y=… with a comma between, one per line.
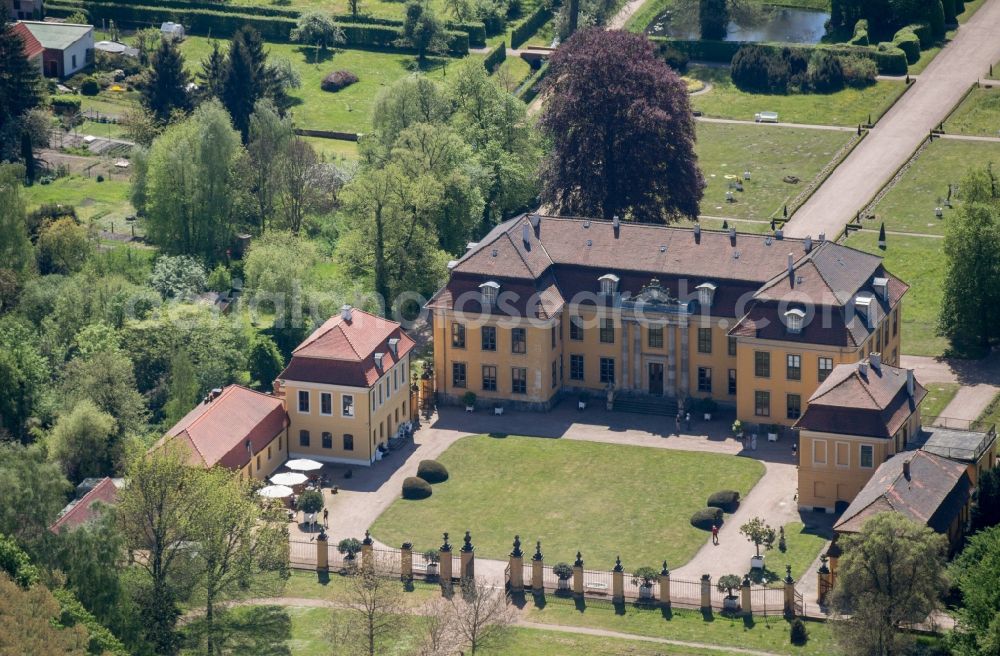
x=537, y=570
x=665, y=585
x=516, y=564
x=578, y=575
x=367, y=551
x=468, y=564
x=745, y=597
x=444, y=566
x=626, y=378
x=684, y=378
x=706, y=592
x=671, y=383
x=789, y=592
x=637, y=355
x=406, y=562
x=322, y=555
x=618, y=582
x=823, y=581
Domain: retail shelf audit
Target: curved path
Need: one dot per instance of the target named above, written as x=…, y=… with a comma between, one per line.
x=876, y=159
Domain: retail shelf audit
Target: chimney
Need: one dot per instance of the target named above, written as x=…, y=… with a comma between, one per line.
x=876, y=361
x=909, y=382
x=863, y=369
x=378, y=360
x=808, y=243
x=345, y=312
x=906, y=469
x=394, y=347
x=535, y=220
x=822, y=237
x=791, y=265
x=526, y=233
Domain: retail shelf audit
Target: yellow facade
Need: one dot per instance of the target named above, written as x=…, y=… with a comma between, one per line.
x=834, y=467
x=344, y=424
x=263, y=463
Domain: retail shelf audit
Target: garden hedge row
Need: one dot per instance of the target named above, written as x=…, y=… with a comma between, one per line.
x=533, y=84
x=889, y=60
x=860, y=37
x=495, y=57
x=525, y=30
x=909, y=43
x=221, y=24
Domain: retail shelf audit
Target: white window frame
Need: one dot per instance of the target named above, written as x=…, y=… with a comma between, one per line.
x=331, y=397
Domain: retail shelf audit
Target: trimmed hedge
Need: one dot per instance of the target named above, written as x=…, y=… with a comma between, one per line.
x=890, y=60
x=706, y=517
x=909, y=43
x=495, y=57
x=416, y=488
x=432, y=471
x=367, y=32
x=923, y=32
x=860, y=37
x=533, y=84
x=726, y=500
x=527, y=29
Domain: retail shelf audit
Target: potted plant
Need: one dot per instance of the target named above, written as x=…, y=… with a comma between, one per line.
x=309, y=503
x=728, y=584
x=469, y=399
x=772, y=433
x=564, y=573
x=582, y=402
x=738, y=429
x=708, y=407
x=762, y=535
x=432, y=557
x=644, y=577
x=349, y=547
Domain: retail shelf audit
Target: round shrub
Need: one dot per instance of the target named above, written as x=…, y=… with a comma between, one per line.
x=416, y=488
x=909, y=43
x=337, y=80
x=706, y=517
x=310, y=501
x=90, y=87
x=432, y=471
x=725, y=500
x=797, y=632
x=858, y=71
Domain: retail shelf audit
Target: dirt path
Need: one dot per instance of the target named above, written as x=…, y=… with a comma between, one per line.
x=900, y=131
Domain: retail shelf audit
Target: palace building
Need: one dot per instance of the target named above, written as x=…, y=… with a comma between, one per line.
x=547, y=306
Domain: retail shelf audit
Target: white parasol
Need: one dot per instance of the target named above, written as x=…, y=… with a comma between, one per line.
x=275, y=491
x=303, y=464
x=289, y=478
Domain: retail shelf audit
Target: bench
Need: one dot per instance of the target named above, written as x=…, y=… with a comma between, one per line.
x=765, y=117
x=498, y=411
x=599, y=588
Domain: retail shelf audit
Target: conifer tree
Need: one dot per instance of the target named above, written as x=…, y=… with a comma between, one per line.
x=165, y=89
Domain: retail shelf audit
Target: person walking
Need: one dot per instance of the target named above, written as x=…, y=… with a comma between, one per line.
x=677, y=423
x=715, y=534
x=326, y=518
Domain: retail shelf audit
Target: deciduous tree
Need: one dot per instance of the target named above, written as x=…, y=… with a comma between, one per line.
x=891, y=573
x=41, y=491
x=482, y=616
x=19, y=90
x=29, y=623
x=621, y=130
x=374, y=601
x=422, y=31
x=63, y=247
x=266, y=362
x=270, y=134
x=306, y=185
x=713, y=16
x=15, y=247
x=183, y=393
x=317, y=28
x=978, y=631
x=82, y=442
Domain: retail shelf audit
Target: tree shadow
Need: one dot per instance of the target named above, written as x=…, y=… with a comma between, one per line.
x=667, y=612
x=259, y=630
x=748, y=622
x=580, y=603
x=538, y=598
x=312, y=55
x=707, y=615
x=619, y=607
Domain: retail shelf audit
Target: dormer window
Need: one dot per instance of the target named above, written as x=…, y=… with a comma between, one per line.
x=609, y=284
x=881, y=286
x=706, y=293
x=864, y=307
x=793, y=320
x=489, y=290
x=379, y=358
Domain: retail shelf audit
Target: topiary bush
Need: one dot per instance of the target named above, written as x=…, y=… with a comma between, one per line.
x=825, y=72
x=797, y=632
x=416, y=488
x=310, y=501
x=676, y=59
x=432, y=471
x=858, y=71
x=726, y=500
x=909, y=43
x=706, y=517
x=89, y=86
x=338, y=80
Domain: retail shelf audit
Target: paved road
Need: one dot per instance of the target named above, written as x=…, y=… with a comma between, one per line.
x=980, y=380
x=808, y=126
x=900, y=131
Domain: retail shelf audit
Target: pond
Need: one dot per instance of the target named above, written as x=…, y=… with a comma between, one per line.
x=781, y=24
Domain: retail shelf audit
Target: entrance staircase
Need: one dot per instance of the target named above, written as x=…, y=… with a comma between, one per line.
x=646, y=405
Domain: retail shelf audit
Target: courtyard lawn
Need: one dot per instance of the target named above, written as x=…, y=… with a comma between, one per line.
x=802, y=547
x=909, y=205
x=763, y=634
x=978, y=115
x=603, y=500
x=939, y=395
x=920, y=262
x=847, y=108
x=770, y=153
x=512, y=72
x=348, y=110
x=991, y=414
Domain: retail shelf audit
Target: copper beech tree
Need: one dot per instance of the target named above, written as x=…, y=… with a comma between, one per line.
x=621, y=130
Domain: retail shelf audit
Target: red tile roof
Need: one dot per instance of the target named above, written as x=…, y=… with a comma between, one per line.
x=342, y=352
x=32, y=47
x=84, y=510
x=216, y=431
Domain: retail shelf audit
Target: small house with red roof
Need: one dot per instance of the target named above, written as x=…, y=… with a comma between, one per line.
x=236, y=428
x=346, y=388
x=88, y=505
x=33, y=49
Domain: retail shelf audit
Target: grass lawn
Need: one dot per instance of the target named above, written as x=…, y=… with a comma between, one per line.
x=105, y=202
x=971, y=6
x=992, y=412
x=802, y=546
x=765, y=634
x=109, y=130
x=848, y=107
x=512, y=72
x=601, y=499
x=920, y=262
x=347, y=110
x=978, y=115
x=939, y=395
x=909, y=206
x=771, y=153
x=334, y=149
